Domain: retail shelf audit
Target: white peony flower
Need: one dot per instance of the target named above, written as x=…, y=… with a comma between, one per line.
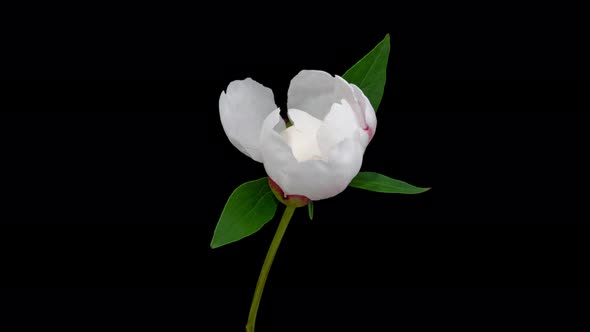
x=322, y=150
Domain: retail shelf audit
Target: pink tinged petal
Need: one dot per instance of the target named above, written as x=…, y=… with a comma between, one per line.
x=314, y=92
x=368, y=117
x=242, y=109
x=290, y=200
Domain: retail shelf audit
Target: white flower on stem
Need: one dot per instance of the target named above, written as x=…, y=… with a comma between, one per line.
x=316, y=157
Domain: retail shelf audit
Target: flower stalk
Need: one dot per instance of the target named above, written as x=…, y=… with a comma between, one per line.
x=270, y=255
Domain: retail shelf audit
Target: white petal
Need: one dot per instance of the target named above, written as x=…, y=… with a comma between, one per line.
x=319, y=179
x=314, y=92
x=341, y=123
x=315, y=179
x=276, y=153
x=243, y=108
x=302, y=135
x=369, y=118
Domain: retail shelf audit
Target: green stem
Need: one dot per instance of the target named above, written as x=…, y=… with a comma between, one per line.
x=270, y=255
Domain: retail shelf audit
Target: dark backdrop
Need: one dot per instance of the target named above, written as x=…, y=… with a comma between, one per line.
x=116, y=169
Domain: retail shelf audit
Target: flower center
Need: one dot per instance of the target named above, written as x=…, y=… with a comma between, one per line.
x=302, y=136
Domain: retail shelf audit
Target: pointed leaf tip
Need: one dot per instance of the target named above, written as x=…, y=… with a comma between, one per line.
x=380, y=183
x=369, y=73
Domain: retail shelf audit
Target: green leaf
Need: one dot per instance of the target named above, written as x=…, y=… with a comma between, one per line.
x=310, y=210
x=248, y=208
x=369, y=73
x=380, y=183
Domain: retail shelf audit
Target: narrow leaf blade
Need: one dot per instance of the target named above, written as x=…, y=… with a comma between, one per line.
x=380, y=183
x=369, y=73
x=248, y=208
x=310, y=210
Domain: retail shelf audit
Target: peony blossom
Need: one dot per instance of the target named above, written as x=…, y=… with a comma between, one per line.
x=320, y=149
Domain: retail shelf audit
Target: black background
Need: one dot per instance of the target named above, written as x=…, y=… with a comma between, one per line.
x=116, y=169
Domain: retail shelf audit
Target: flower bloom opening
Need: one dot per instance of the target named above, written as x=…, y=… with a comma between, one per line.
x=321, y=152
